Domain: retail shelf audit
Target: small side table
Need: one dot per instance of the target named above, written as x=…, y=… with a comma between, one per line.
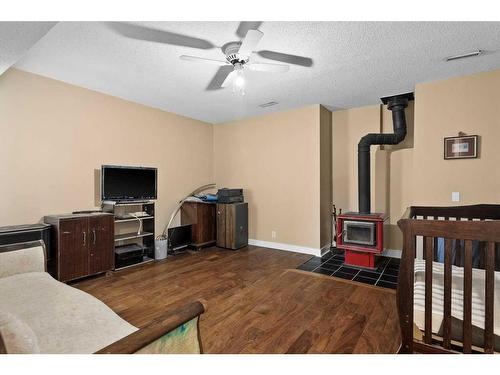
x=202, y=217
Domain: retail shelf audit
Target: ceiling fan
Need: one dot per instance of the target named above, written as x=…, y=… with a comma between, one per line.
x=238, y=58
x=237, y=53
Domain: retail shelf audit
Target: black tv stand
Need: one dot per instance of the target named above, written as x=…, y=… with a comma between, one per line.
x=132, y=230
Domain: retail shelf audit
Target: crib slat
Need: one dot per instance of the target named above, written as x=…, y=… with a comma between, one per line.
x=481, y=256
x=447, y=294
x=489, y=294
x=459, y=253
x=467, y=323
x=406, y=285
x=429, y=257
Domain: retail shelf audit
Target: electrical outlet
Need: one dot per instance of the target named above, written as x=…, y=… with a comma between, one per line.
x=273, y=234
x=455, y=196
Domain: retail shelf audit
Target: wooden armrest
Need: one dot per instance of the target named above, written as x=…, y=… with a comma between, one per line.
x=156, y=329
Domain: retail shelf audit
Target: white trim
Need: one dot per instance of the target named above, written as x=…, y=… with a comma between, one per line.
x=325, y=249
x=286, y=247
x=391, y=253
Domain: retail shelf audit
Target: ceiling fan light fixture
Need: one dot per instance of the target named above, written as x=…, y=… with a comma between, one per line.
x=239, y=81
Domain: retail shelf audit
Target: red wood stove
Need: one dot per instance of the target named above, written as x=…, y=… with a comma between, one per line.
x=361, y=236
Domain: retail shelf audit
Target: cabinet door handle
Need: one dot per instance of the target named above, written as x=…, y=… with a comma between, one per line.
x=84, y=238
x=93, y=232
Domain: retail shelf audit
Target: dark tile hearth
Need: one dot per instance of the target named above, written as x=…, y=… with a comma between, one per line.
x=332, y=264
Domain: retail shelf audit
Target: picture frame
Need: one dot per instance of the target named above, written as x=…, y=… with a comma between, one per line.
x=461, y=147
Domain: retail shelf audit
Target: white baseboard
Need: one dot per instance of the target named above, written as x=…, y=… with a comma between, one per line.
x=325, y=249
x=391, y=253
x=286, y=247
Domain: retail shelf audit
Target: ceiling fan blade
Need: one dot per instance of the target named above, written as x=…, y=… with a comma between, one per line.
x=286, y=58
x=245, y=26
x=265, y=67
x=203, y=60
x=250, y=42
x=219, y=77
x=229, y=79
x=159, y=36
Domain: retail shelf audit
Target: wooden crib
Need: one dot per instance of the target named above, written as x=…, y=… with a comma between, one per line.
x=461, y=229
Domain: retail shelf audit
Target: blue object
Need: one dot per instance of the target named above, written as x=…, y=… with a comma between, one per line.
x=440, y=249
x=211, y=198
x=476, y=251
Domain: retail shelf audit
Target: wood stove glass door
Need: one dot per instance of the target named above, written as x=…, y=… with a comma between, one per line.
x=359, y=232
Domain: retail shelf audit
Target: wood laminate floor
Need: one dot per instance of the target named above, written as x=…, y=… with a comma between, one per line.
x=257, y=302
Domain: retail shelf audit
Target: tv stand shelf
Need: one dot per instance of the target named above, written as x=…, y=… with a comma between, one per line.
x=125, y=203
x=133, y=219
x=129, y=236
x=145, y=260
x=126, y=229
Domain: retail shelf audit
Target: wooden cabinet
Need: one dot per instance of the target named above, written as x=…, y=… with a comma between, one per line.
x=83, y=244
x=101, y=242
x=232, y=225
x=201, y=216
x=72, y=257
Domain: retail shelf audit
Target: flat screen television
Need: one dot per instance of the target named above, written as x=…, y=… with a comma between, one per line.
x=119, y=183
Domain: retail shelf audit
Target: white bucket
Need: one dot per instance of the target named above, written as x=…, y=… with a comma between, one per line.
x=161, y=249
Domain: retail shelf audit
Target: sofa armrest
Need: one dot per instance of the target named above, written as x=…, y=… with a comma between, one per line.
x=22, y=257
x=174, y=332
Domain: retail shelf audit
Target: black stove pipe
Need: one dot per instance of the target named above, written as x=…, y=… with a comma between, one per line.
x=397, y=105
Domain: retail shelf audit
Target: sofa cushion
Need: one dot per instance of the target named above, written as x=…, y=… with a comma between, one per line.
x=17, y=336
x=30, y=259
x=64, y=319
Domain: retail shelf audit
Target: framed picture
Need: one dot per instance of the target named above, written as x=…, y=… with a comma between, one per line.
x=461, y=147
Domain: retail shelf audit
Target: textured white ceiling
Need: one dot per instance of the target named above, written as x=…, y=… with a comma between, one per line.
x=16, y=38
x=355, y=63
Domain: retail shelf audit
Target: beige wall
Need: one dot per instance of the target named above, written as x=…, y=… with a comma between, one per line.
x=470, y=104
x=54, y=135
x=325, y=144
x=276, y=160
x=415, y=173
x=348, y=127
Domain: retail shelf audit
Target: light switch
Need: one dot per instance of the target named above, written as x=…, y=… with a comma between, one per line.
x=455, y=196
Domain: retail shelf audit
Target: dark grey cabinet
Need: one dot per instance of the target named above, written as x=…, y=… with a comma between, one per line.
x=232, y=225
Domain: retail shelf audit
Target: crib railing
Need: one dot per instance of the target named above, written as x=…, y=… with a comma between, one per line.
x=472, y=212
x=460, y=227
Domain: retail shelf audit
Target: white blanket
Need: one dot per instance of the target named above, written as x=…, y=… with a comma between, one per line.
x=64, y=319
x=478, y=299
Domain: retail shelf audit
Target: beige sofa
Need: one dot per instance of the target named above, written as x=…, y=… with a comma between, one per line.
x=39, y=314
